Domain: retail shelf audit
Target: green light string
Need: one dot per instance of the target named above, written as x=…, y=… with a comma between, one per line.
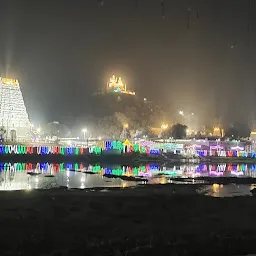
x=135, y=171
x=62, y=151
x=96, y=168
x=117, y=172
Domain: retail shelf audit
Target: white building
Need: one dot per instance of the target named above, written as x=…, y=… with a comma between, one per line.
x=13, y=113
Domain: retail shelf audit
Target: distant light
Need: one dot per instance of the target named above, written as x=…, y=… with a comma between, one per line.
x=126, y=125
x=84, y=130
x=181, y=113
x=164, y=126
x=99, y=138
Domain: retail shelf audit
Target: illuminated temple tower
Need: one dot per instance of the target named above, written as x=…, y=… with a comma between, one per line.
x=13, y=113
x=116, y=84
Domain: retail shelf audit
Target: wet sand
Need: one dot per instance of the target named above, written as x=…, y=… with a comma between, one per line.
x=143, y=221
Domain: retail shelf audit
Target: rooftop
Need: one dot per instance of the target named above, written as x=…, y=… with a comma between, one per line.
x=9, y=81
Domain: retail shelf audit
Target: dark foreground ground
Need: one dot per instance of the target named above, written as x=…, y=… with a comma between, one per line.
x=149, y=221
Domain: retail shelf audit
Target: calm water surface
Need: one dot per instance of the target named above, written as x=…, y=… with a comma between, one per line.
x=26, y=176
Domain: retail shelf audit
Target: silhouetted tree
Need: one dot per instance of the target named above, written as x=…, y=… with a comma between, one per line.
x=178, y=131
x=198, y=135
x=55, y=129
x=237, y=131
x=2, y=132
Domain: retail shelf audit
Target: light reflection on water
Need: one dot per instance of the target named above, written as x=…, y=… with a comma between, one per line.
x=229, y=190
x=18, y=176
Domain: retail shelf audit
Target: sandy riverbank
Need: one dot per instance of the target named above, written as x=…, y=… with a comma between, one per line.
x=142, y=221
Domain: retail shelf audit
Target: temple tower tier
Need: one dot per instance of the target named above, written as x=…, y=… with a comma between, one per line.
x=13, y=112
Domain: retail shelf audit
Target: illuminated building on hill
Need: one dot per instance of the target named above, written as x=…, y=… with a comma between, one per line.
x=116, y=84
x=13, y=113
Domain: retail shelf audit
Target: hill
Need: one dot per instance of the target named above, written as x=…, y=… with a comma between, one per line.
x=113, y=111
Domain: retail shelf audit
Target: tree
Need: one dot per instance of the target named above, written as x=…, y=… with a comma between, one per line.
x=178, y=131
x=2, y=132
x=207, y=130
x=108, y=127
x=237, y=131
x=122, y=118
x=55, y=129
x=198, y=135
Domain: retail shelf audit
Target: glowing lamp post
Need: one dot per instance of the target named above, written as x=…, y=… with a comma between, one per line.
x=84, y=131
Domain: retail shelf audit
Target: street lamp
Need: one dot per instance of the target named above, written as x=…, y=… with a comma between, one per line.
x=84, y=130
x=163, y=127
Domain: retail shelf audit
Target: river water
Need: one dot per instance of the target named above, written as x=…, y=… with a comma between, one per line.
x=27, y=176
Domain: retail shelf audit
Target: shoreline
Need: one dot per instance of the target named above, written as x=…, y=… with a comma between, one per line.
x=125, y=222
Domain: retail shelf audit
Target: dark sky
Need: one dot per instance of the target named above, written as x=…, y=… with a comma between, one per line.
x=62, y=51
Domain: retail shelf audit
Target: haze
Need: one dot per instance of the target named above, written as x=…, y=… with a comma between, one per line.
x=62, y=51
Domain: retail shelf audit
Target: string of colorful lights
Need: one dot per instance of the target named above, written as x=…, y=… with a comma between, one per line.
x=142, y=170
x=124, y=148
x=148, y=170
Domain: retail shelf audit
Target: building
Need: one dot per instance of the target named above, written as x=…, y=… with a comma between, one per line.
x=218, y=132
x=13, y=113
x=116, y=84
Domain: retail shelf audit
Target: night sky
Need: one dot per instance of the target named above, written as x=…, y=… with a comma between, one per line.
x=62, y=51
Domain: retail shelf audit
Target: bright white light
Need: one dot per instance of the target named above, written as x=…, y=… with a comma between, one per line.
x=99, y=138
x=84, y=130
x=181, y=113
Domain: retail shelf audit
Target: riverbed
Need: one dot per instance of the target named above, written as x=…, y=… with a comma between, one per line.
x=80, y=209
x=152, y=220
